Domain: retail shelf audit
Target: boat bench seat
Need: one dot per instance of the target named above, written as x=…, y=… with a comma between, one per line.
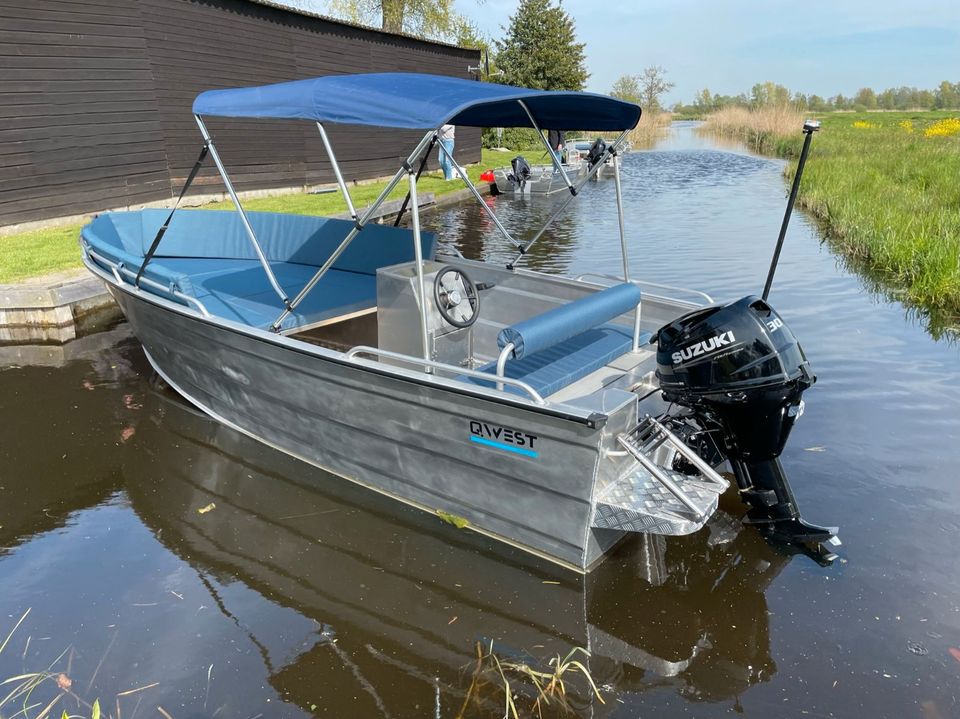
x=207, y=255
x=563, y=345
x=239, y=290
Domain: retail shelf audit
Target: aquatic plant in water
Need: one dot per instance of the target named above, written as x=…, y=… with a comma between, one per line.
x=22, y=690
x=545, y=687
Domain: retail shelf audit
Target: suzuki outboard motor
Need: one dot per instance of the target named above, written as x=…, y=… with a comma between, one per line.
x=597, y=150
x=742, y=372
x=521, y=170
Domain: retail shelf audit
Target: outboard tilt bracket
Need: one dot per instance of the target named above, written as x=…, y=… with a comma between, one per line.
x=740, y=374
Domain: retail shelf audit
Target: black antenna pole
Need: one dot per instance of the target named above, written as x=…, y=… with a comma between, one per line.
x=809, y=127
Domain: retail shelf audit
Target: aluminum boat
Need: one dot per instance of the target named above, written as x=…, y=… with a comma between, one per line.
x=557, y=414
x=522, y=178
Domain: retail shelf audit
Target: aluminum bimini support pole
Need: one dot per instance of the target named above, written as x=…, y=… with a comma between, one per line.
x=358, y=226
x=476, y=193
x=613, y=147
x=623, y=246
x=418, y=257
x=553, y=155
x=243, y=215
x=336, y=170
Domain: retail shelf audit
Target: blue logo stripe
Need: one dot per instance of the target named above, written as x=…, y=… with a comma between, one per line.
x=501, y=445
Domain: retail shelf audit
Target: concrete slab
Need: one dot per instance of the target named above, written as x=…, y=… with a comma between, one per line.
x=52, y=309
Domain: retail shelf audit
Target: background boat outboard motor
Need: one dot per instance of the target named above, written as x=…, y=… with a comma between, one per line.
x=742, y=372
x=597, y=150
x=521, y=171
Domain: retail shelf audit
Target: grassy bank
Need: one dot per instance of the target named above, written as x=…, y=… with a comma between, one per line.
x=885, y=185
x=39, y=252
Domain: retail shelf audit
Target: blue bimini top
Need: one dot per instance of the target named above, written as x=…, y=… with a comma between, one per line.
x=416, y=101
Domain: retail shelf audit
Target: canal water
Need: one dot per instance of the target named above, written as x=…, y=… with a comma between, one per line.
x=167, y=561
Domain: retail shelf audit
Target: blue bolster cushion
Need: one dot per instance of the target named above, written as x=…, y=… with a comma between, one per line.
x=562, y=323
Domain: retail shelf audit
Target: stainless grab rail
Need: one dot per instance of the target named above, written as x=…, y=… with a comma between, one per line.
x=118, y=270
x=658, y=285
x=420, y=362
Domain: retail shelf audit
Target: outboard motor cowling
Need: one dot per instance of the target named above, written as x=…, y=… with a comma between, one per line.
x=521, y=170
x=743, y=373
x=597, y=150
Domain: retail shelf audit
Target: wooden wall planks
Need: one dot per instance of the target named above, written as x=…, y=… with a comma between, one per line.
x=95, y=99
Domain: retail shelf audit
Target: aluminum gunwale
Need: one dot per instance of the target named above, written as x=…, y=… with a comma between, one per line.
x=593, y=420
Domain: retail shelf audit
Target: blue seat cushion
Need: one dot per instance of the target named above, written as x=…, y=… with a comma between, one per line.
x=551, y=369
x=553, y=327
x=239, y=290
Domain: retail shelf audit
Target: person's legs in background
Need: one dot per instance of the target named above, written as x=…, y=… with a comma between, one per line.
x=445, y=162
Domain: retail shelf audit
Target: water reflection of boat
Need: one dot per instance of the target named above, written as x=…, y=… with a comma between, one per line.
x=407, y=598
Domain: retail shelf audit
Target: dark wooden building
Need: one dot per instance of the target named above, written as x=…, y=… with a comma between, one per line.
x=95, y=99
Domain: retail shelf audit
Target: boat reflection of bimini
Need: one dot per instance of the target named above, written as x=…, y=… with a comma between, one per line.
x=408, y=598
x=531, y=406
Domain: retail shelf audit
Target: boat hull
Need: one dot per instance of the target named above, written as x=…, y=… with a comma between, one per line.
x=414, y=441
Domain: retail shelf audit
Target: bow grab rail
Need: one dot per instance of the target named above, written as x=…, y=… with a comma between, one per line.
x=119, y=270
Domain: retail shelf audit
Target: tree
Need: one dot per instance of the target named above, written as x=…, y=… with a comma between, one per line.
x=769, y=93
x=424, y=18
x=948, y=96
x=627, y=87
x=866, y=97
x=704, y=101
x=540, y=49
x=653, y=84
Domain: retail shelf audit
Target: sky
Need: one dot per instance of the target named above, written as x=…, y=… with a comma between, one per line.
x=821, y=48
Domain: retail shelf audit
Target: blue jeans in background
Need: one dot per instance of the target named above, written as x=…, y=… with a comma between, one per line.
x=445, y=163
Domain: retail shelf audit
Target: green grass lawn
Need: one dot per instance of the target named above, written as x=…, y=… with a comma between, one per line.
x=887, y=188
x=40, y=252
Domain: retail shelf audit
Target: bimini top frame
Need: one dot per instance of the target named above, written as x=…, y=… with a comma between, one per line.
x=408, y=101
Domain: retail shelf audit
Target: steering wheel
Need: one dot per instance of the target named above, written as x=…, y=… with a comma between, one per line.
x=457, y=298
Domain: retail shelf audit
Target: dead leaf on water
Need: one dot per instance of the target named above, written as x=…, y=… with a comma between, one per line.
x=955, y=653
x=815, y=449
x=127, y=433
x=64, y=682
x=209, y=508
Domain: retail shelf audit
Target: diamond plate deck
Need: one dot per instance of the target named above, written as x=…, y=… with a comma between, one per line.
x=639, y=503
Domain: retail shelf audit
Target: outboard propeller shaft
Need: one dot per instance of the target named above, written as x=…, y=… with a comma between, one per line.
x=742, y=372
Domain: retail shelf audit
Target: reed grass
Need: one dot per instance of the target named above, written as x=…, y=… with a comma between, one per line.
x=545, y=686
x=23, y=692
x=651, y=128
x=757, y=128
x=885, y=187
